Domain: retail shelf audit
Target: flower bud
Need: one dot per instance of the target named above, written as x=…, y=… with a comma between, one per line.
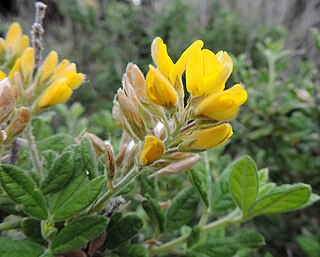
x=203, y=139
x=18, y=123
x=8, y=96
x=48, y=66
x=152, y=150
x=181, y=165
x=223, y=105
x=111, y=167
x=13, y=38
x=136, y=79
x=131, y=113
x=27, y=64
x=97, y=143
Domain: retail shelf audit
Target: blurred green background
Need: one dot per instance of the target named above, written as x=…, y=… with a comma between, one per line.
x=275, y=46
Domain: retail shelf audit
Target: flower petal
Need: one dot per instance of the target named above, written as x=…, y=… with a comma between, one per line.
x=160, y=56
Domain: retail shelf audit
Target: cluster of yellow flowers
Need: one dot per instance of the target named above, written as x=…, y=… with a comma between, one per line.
x=25, y=88
x=167, y=132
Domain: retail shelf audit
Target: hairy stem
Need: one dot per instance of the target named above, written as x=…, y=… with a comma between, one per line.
x=34, y=151
x=134, y=172
x=232, y=218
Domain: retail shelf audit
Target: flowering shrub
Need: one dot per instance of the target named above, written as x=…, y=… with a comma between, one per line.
x=74, y=199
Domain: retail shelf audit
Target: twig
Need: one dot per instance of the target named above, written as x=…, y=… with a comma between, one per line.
x=37, y=32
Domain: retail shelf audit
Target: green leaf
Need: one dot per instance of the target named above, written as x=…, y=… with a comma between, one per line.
x=123, y=230
x=23, y=191
x=19, y=248
x=183, y=207
x=221, y=198
x=55, y=142
x=194, y=237
x=77, y=180
x=81, y=199
x=244, y=183
x=149, y=187
x=155, y=213
x=281, y=199
x=60, y=174
x=133, y=250
x=200, y=183
x=264, y=189
x=89, y=157
x=312, y=199
x=227, y=246
x=263, y=176
x=309, y=245
x=32, y=229
x=78, y=233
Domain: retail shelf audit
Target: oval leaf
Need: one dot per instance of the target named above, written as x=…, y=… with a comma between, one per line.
x=123, y=230
x=89, y=157
x=60, y=174
x=19, y=248
x=200, y=182
x=78, y=233
x=243, y=182
x=80, y=200
x=183, y=207
x=282, y=199
x=155, y=213
x=23, y=191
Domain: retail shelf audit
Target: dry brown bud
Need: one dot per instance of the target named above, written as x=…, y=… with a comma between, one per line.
x=111, y=167
x=8, y=97
x=18, y=123
x=136, y=79
x=183, y=163
x=97, y=143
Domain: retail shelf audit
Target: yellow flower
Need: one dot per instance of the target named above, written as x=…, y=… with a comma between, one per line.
x=223, y=105
x=56, y=93
x=48, y=66
x=207, y=73
x=15, y=41
x=203, y=139
x=27, y=64
x=69, y=71
x=152, y=150
x=170, y=70
x=159, y=89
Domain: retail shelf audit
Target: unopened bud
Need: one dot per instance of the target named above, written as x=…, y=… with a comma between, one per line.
x=8, y=95
x=137, y=80
x=97, y=143
x=18, y=123
x=131, y=113
x=182, y=165
x=111, y=167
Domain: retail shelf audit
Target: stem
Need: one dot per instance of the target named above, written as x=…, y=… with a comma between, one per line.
x=117, y=188
x=204, y=218
x=232, y=218
x=34, y=151
x=10, y=225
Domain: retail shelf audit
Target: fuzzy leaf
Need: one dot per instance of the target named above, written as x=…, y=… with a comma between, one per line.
x=156, y=215
x=23, y=191
x=183, y=207
x=243, y=182
x=19, y=248
x=80, y=200
x=282, y=199
x=60, y=174
x=200, y=183
x=89, y=157
x=123, y=230
x=78, y=233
